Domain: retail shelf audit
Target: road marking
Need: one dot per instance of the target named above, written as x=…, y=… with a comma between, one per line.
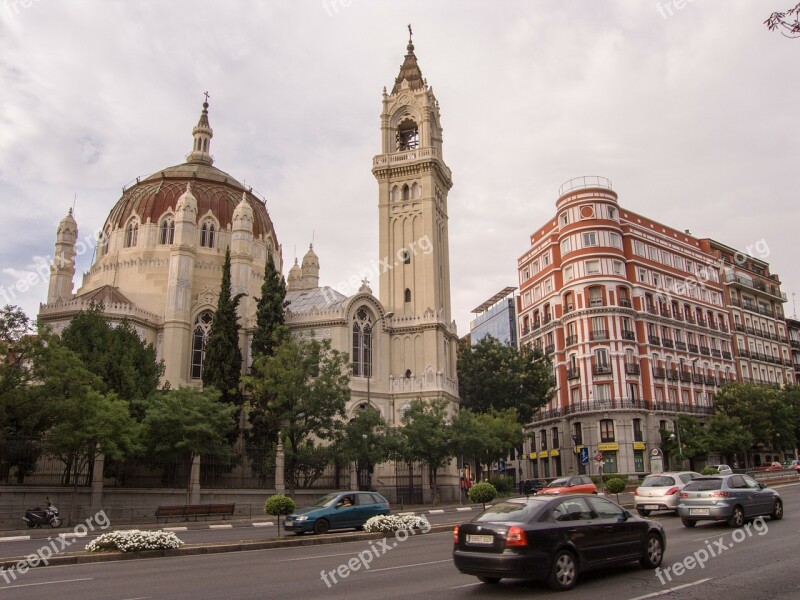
x=464, y=508
x=264, y=524
x=673, y=589
x=137, y=598
x=175, y=528
x=72, y=535
x=20, y=585
x=406, y=514
x=228, y=526
x=466, y=585
x=15, y=538
x=433, y=562
x=436, y=511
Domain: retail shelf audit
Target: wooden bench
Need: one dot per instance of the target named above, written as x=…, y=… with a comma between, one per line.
x=194, y=510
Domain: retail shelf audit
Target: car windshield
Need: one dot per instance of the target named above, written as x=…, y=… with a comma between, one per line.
x=518, y=512
x=563, y=482
x=658, y=481
x=326, y=500
x=703, y=484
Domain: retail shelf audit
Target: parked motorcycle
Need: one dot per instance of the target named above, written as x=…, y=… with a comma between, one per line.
x=36, y=517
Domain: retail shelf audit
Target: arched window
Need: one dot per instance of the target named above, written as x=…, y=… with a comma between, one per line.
x=362, y=343
x=415, y=191
x=102, y=243
x=202, y=327
x=406, y=192
x=407, y=137
x=408, y=295
x=167, y=231
x=395, y=194
x=131, y=233
x=208, y=234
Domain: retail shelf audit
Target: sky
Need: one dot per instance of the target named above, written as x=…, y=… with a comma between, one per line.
x=688, y=106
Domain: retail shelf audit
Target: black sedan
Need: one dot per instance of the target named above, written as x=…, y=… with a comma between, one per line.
x=553, y=539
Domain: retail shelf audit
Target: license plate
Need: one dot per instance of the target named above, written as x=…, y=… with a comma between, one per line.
x=480, y=539
x=287, y=522
x=698, y=511
x=651, y=506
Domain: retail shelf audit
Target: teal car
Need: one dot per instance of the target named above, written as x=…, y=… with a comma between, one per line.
x=337, y=510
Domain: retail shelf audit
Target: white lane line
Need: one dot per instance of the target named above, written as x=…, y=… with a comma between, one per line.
x=21, y=585
x=174, y=528
x=673, y=589
x=406, y=514
x=228, y=526
x=436, y=511
x=464, y=508
x=458, y=587
x=433, y=562
x=708, y=537
x=15, y=538
x=264, y=524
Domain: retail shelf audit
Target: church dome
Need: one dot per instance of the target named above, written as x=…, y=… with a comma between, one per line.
x=215, y=190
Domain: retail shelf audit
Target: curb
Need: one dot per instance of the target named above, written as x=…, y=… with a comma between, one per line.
x=199, y=549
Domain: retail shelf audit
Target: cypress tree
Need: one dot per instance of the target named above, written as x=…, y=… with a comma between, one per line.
x=222, y=366
x=270, y=318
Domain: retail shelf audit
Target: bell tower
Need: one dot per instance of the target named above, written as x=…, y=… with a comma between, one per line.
x=413, y=183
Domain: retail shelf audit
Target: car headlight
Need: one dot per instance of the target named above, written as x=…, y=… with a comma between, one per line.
x=301, y=518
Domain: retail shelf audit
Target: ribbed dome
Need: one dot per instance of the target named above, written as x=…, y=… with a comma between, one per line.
x=214, y=189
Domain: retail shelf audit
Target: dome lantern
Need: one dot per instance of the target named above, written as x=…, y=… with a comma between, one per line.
x=202, y=134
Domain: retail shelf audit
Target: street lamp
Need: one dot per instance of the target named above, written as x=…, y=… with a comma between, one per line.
x=388, y=315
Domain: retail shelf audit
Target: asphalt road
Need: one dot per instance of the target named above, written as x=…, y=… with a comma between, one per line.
x=755, y=566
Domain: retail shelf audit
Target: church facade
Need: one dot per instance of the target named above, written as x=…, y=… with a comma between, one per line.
x=158, y=264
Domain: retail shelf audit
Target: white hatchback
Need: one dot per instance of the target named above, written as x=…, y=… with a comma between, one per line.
x=661, y=491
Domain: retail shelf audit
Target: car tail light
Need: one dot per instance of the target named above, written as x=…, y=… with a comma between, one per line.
x=684, y=494
x=636, y=491
x=719, y=494
x=672, y=491
x=516, y=537
x=455, y=535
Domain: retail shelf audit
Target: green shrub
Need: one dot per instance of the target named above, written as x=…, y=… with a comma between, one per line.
x=482, y=492
x=502, y=483
x=709, y=471
x=279, y=505
x=615, y=485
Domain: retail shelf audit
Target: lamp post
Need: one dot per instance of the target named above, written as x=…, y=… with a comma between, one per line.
x=388, y=315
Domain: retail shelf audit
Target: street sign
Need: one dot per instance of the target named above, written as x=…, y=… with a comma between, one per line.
x=501, y=466
x=599, y=457
x=584, y=455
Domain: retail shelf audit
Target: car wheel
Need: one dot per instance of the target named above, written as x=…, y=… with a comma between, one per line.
x=643, y=512
x=55, y=522
x=688, y=523
x=653, y=553
x=777, y=511
x=491, y=580
x=564, y=573
x=737, y=517
x=321, y=526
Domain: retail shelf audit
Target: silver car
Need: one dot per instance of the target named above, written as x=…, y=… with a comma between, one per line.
x=731, y=498
x=660, y=491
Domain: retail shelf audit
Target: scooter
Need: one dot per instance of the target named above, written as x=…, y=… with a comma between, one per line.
x=36, y=517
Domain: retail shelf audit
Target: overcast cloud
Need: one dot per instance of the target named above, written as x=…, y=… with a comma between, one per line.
x=693, y=117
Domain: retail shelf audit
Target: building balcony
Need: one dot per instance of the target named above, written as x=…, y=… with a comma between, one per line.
x=686, y=377
x=664, y=311
x=698, y=378
x=651, y=309
x=710, y=380
x=597, y=335
x=794, y=344
x=723, y=327
x=601, y=369
x=654, y=340
x=693, y=348
x=628, y=335
x=705, y=350
x=739, y=327
x=547, y=319
x=536, y=325
x=672, y=375
x=632, y=369
x=673, y=407
x=677, y=315
x=743, y=353
x=689, y=318
x=713, y=325
x=680, y=346
x=595, y=302
x=716, y=353
x=701, y=321
x=573, y=373
x=659, y=372
x=571, y=339
x=550, y=348
x=667, y=343
x=726, y=355
x=625, y=303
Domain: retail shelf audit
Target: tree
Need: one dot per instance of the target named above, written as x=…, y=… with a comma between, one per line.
x=270, y=318
x=123, y=363
x=303, y=388
x=493, y=375
x=482, y=492
x=692, y=439
x=485, y=437
x=189, y=422
x=85, y=421
x=427, y=436
x=788, y=23
x=728, y=436
x=279, y=506
x=222, y=365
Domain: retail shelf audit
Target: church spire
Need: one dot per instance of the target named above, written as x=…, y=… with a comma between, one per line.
x=202, y=134
x=409, y=70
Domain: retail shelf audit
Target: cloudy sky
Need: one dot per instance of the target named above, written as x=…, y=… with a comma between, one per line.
x=691, y=112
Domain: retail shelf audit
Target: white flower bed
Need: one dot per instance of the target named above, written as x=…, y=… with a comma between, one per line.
x=389, y=523
x=134, y=540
